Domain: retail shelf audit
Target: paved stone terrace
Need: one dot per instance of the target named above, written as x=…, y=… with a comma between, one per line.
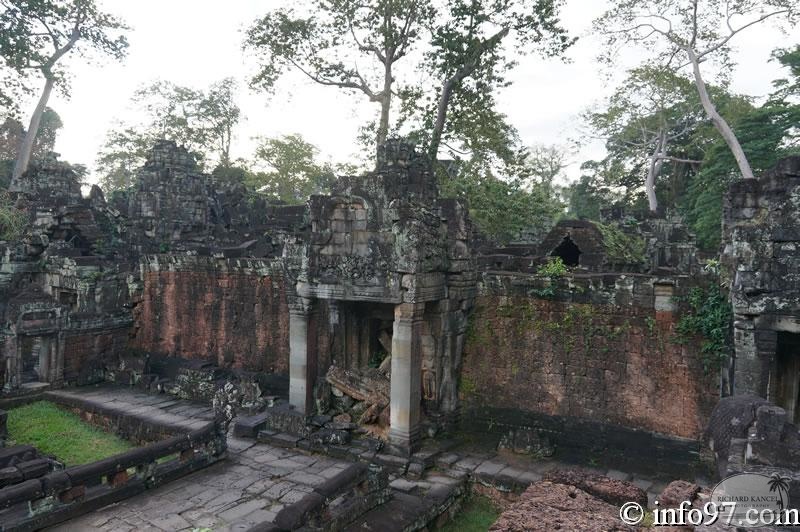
x=249, y=487
x=161, y=409
x=257, y=480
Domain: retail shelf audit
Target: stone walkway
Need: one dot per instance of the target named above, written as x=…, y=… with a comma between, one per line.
x=160, y=409
x=251, y=486
x=257, y=480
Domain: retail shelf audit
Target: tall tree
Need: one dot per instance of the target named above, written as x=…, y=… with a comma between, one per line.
x=219, y=114
x=292, y=171
x=788, y=88
x=12, y=134
x=767, y=133
x=470, y=51
x=45, y=140
x=123, y=152
x=35, y=35
x=588, y=196
x=518, y=201
x=332, y=38
x=688, y=34
x=204, y=121
x=646, y=121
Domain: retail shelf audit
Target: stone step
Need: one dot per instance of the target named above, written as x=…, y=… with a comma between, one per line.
x=278, y=439
x=423, y=507
x=335, y=503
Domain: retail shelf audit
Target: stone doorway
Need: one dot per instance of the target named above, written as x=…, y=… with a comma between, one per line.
x=363, y=334
x=35, y=355
x=568, y=251
x=788, y=375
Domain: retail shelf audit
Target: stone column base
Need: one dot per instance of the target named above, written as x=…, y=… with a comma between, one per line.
x=404, y=443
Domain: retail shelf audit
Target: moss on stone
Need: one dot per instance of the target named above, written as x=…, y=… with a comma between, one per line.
x=621, y=247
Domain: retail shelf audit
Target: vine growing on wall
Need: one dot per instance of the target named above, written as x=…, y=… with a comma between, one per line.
x=553, y=269
x=710, y=317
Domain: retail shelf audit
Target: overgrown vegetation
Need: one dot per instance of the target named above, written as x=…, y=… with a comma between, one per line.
x=621, y=247
x=477, y=515
x=710, y=317
x=553, y=269
x=63, y=434
x=689, y=164
x=511, y=200
x=12, y=220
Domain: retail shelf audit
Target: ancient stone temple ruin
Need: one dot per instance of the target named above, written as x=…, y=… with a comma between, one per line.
x=391, y=262
x=371, y=332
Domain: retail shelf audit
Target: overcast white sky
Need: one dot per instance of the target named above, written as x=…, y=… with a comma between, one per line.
x=196, y=42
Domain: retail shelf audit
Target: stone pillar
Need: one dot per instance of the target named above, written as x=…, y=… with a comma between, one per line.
x=748, y=372
x=302, y=364
x=406, y=385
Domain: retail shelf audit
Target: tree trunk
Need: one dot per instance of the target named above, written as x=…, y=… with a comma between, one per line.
x=656, y=162
x=386, y=104
x=441, y=116
x=467, y=68
x=24, y=155
x=367, y=385
x=719, y=122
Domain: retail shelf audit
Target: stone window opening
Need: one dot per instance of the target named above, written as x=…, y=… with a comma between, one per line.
x=69, y=298
x=568, y=251
x=788, y=375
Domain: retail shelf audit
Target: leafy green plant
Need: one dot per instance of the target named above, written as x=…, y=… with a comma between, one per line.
x=553, y=269
x=12, y=220
x=710, y=317
x=621, y=247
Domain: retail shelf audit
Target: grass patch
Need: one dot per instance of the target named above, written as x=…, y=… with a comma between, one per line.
x=63, y=434
x=477, y=515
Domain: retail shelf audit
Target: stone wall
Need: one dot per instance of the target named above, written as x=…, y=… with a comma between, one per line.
x=86, y=352
x=761, y=235
x=599, y=348
x=231, y=312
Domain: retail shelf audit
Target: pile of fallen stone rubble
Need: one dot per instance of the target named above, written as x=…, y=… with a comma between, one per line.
x=351, y=399
x=578, y=500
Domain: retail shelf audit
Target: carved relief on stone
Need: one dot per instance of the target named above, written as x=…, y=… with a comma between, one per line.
x=428, y=381
x=353, y=267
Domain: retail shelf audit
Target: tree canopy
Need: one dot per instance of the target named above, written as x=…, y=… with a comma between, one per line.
x=204, y=121
x=34, y=37
x=676, y=35
x=291, y=170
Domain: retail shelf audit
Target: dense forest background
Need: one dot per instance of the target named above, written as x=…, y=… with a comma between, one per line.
x=675, y=135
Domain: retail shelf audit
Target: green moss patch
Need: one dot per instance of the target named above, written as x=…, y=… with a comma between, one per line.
x=477, y=515
x=62, y=434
